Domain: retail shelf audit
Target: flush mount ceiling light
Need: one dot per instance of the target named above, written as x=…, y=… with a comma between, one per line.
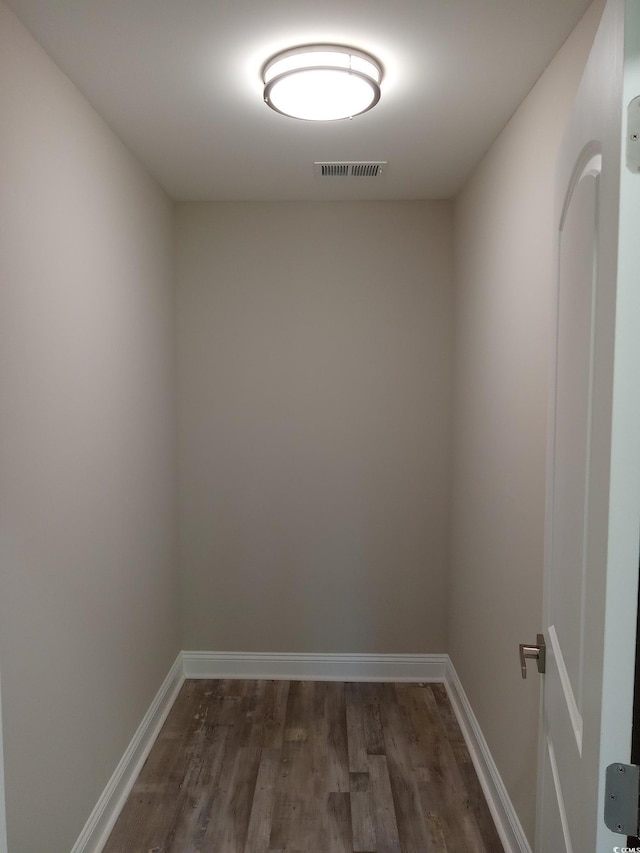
x=322, y=82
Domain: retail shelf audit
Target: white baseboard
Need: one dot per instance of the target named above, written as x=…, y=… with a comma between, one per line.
x=103, y=817
x=314, y=667
x=308, y=667
x=504, y=815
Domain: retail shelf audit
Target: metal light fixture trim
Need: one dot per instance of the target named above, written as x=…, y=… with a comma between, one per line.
x=322, y=82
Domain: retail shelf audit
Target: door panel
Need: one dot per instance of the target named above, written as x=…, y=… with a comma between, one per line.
x=574, y=391
x=556, y=824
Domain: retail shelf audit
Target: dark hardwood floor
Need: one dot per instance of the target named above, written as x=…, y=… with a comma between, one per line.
x=307, y=767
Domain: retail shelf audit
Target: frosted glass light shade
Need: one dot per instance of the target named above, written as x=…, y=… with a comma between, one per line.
x=322, y=82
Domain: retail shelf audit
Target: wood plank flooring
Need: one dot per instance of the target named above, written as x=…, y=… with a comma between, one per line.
x=307, y=767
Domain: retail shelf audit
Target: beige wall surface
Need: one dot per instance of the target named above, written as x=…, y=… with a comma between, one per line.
x=88, y=590
x=504, y=278
x=314, y=392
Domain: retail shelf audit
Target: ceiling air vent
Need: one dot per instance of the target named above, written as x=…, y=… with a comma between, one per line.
x=351, y=169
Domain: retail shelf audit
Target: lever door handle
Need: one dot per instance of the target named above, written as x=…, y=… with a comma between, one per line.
x=537, y=653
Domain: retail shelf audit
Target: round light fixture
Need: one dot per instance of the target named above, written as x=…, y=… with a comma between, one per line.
x=322, y=82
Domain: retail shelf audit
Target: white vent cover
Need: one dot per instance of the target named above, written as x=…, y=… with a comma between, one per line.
x=351, y=169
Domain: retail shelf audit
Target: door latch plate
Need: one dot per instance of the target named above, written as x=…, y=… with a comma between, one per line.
x=633, y=135
x=621, y=798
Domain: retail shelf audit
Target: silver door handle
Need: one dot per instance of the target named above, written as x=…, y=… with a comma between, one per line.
x=537, y=653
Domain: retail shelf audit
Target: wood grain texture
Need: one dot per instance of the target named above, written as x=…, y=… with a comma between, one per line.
x=244, y=766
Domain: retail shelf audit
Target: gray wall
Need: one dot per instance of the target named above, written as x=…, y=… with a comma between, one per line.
x=503, y=300
x=88, y=590
x=314, y=392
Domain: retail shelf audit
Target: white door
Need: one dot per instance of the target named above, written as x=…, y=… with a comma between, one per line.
x=593, y=495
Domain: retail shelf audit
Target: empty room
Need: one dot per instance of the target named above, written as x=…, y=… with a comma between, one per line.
x=319, y=479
